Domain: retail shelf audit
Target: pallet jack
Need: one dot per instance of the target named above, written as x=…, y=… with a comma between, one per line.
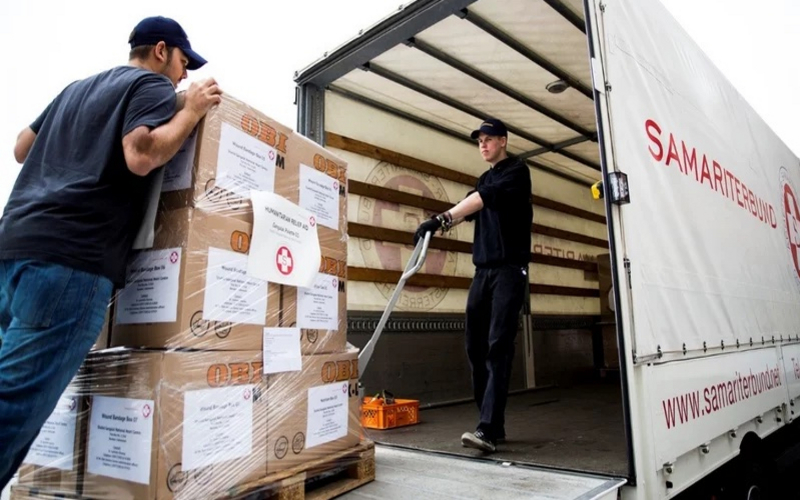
x=384, y=411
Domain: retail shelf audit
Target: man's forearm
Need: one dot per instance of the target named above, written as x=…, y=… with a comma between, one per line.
x=466, y=207
x=162, y=143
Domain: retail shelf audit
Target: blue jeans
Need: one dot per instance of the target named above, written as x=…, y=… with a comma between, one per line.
x=50, y=316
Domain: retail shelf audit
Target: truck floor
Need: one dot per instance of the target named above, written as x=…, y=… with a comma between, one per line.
x=403, y=474
x=579, y=428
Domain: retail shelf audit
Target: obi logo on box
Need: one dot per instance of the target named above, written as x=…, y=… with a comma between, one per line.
x=267, y=134
x=329, y=265
x=330, y=168
x=222, y=374
x=240, y=242
x=339, y=371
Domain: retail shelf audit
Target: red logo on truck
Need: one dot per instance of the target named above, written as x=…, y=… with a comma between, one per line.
x=791, y=219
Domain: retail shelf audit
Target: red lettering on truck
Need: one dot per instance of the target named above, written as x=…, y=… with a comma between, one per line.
x=684, y=408
x=691, y=163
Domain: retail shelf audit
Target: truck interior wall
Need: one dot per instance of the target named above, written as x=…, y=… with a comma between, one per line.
x=429, y=366
x=429, y=363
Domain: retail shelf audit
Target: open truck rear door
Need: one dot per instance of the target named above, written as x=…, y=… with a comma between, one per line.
x=707, y=260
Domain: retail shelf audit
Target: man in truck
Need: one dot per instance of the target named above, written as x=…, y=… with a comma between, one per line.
x=500, y=206
x=88, y=161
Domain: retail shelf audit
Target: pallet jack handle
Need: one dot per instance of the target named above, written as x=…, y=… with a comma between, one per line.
x=414, y=264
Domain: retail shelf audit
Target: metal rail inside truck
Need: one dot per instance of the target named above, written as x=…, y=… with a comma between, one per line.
x=660, y=343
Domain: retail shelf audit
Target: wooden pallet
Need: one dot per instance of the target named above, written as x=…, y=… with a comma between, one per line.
x=320, y=479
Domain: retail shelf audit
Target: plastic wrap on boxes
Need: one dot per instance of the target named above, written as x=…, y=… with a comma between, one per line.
x=228, y=359
x=193, y=290
x=237, y=149
x=162, y=424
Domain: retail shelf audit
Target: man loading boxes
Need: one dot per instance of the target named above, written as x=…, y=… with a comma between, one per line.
x=68, y=228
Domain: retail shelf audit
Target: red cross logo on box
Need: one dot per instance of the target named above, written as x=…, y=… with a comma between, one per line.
x=146, y=411
x=284, y=261
x=335, y=186
x=247, y=394
x=173, y=257
x=272, y=155
x=312, y=221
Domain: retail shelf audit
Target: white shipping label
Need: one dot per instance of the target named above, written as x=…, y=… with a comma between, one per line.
x=282, y=350
x=55, y=445
x=318, y=306
x=285, y=239
x=319, y=194
x=178, y=171
x=151, y=290
x=121, y=438
x=327, y=413
x=217, y=425
x=244, y=163
x=231, y=296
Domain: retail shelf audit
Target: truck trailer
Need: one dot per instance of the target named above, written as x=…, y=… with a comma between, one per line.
x=660, y=344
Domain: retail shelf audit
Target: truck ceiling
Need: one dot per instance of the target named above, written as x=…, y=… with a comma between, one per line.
x=448, y=64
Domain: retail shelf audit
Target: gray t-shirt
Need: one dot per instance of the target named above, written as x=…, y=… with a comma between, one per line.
x=75, y=202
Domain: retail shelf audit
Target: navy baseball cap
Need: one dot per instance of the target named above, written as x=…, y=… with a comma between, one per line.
x=152, y=30
x=491, y=126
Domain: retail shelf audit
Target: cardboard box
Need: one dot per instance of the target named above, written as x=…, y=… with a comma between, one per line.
x=55, y=460
x=306, y=410
x=321, y=313
x=316, y=179
x=192, y=291
x=181, y=425
x=234, y=149
x=237, y=148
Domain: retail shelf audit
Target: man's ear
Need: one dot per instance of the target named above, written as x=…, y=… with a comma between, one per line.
x=161, y=52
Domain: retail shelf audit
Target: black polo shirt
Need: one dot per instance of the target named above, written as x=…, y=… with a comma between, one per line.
x=503, y=226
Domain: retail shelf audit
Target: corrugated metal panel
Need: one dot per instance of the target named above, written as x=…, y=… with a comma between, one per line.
x=567, y=165
x=575, y=6
x=435, y=75
x=540, y=27
x=399, y=97
x=588, y=150
x=472, y=46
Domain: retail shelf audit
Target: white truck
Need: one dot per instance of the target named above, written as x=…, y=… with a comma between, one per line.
x=700, y=217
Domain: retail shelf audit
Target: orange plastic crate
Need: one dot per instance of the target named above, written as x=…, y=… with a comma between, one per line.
x=376, y=414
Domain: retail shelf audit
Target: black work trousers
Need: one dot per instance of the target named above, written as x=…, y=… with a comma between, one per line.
x=493, y=306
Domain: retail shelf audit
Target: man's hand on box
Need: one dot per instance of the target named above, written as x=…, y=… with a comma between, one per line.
x=201, y=96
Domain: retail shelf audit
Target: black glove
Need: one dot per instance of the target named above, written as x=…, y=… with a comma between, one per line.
x=429, y=226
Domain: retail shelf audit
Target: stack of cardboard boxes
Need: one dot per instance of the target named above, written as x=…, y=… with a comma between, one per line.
x=216, y=377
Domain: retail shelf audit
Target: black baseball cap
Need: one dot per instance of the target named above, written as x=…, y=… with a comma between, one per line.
x=152, y=30
x=491, y=126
